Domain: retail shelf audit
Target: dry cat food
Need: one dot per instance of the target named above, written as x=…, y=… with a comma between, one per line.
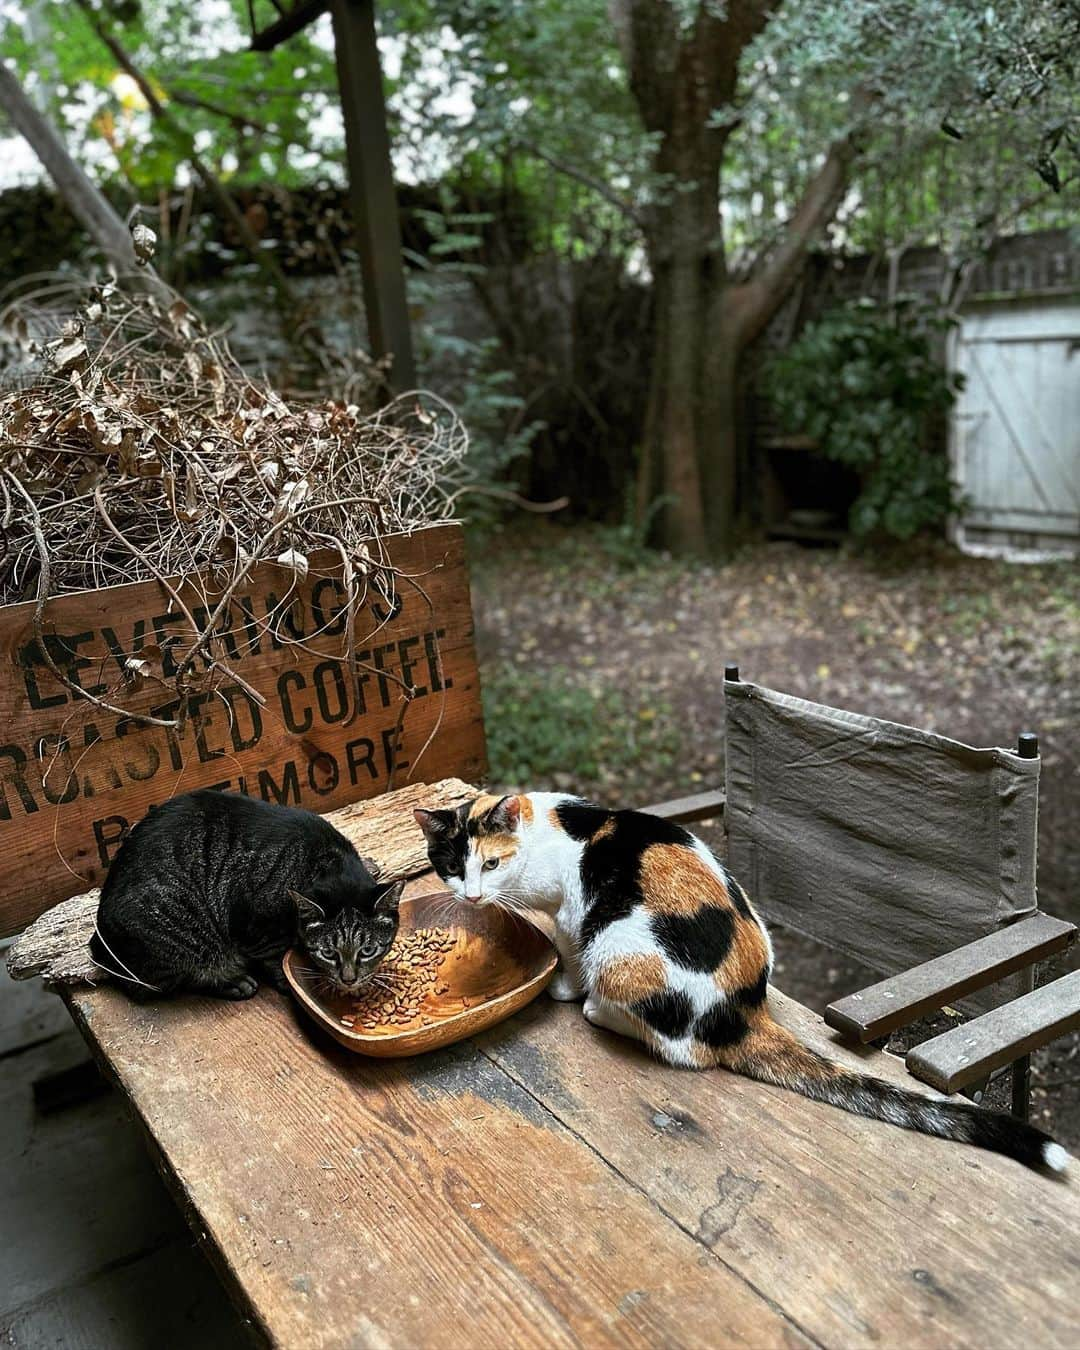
x=408, y=974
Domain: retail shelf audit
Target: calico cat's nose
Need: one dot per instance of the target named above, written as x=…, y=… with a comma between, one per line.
x=474, y=899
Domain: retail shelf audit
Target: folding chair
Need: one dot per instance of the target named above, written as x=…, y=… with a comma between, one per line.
x=913, y=854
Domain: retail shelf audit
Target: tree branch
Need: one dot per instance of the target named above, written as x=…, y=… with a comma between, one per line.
x=86, y=203
x=772, y=275
x=238, y=120
x=232, y=212
x=601, y=188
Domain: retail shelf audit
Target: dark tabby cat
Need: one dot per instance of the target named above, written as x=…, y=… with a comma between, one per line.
x=210, y=890
x=661, y=942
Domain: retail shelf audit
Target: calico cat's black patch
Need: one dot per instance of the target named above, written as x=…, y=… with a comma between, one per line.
x=669, y=1013
x=581, y=819
x=211, y=889
x=448, y=841
x=696, y=941
x=611, y=865
x=721, y=1025
x=752, y=996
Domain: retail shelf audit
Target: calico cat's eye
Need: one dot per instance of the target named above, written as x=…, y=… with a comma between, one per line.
x=490, y=864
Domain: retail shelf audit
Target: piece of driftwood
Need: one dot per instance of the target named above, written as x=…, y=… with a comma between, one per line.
x=56, y=946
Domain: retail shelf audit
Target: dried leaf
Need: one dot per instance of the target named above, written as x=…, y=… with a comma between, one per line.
x=67, y=355
x=144, y=241
x=291, y=498
x=90, y=480
x=295, y=560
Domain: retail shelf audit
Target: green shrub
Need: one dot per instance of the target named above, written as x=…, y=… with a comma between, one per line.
x=868, y=384
x=546, y=729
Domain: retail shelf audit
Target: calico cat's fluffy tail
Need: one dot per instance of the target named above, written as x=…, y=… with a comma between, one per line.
x=769, y=1053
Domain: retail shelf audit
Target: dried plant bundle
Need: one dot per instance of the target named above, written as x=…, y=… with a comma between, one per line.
x=134, y=447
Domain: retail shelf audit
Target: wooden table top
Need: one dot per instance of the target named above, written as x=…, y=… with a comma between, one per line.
x=549, y=1185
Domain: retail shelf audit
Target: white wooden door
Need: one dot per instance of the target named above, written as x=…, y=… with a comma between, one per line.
x=1016, y=427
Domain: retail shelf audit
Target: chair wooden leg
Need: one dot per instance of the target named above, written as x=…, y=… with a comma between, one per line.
x=1021, y=1069
x=1021, y=1088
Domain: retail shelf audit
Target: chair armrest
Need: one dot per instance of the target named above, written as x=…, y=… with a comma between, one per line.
x=969, y=1053
x=903, y=999
x=703, y=806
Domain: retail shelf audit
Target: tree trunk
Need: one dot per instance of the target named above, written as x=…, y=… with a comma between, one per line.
x=723, y=347
x=92, y=210
x=682, y=72
x=689, y=447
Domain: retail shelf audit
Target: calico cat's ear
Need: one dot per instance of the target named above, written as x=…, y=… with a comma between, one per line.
x=388, y=900
x=307, y=911
x=435, y=824
x=504, y=815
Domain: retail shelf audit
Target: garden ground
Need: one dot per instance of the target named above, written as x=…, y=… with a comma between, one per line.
x=603, y=665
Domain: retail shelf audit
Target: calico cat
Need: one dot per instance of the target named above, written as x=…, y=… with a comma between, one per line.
x=663, y=945
x=211, y=889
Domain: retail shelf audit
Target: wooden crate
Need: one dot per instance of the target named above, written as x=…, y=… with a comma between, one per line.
x=75, y=777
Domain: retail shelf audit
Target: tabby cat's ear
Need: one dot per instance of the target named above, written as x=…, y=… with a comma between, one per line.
x=388, y=901
x=435, y=824
x=307, y=911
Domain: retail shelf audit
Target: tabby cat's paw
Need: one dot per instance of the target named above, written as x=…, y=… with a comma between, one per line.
x=241, y=988
x=565, y=990
x=273, y=974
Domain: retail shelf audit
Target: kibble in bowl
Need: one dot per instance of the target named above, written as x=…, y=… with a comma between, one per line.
x=454, y=969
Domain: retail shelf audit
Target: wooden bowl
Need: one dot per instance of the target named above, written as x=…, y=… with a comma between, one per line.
x=498, y=963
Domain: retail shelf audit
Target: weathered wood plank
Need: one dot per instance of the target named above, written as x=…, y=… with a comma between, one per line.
x=904, y=998
x=701, y=806
x=970, y=1052
x=74, y=776
x=864, y=1234
x=56, y=945
x=412, y=1203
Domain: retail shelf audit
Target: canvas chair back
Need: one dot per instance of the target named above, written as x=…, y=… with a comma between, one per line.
x=889, y=844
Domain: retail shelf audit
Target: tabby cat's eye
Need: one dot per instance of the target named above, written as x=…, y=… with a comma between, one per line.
x=490, y=864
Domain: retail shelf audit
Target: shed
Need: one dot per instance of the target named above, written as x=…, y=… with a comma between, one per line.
x=1014, y=434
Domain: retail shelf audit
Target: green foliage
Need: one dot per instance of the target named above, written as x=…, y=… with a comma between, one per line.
x=466, y=369
x=250, y=115
x=493, y=92
x=869, y=385
x=627, y=542
x=544, y=729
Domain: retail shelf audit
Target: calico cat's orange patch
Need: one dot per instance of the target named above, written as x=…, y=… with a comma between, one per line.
x=674, y=880
x=747, y=957
x=703, y=1056
x=501, y=846
x=625, y=979
x=483, y=805
x=526, y=809
x=605, y=831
